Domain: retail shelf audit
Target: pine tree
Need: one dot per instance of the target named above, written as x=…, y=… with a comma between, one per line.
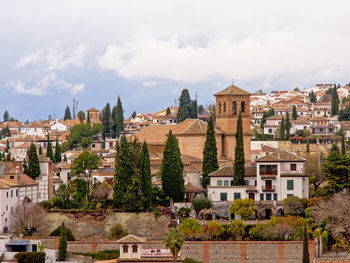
x=62, y=246
x=288, y=126
x=168, y=111
x=33, y=162
x=65, y=158
x=146, y=177
x=210, y=158
x=271, y=112
x=106, y=119
x=58, y=157
x=6, y=116
x=306, y=256
x=123, y=172
x=172, y=169
x=335, y=102
x=283, y=130
x=49, y=151
x=118, y=117
x=294, y=114
x=40, y=150
x=238, y=167
x=184, y=111
x=194, y=108
x=343, y=148
x=67, y=114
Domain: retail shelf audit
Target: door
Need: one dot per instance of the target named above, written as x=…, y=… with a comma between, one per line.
x=252, y=196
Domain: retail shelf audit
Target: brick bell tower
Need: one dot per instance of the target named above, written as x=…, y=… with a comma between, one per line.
x=229, y=102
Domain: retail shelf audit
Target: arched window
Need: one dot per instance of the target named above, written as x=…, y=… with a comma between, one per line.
x=219, y=183
x=125, y=248
x=234, y=108
x=224, y=107
x=242, y=106
x=134, y=249
x=219, y=107
x=226, y=183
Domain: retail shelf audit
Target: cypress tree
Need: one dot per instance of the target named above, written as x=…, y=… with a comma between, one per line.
x=134, y=114
x=6, y=116
x=194, y=112
x=106, y=118
x=168, y=111
x=40, y=150
x=263, y=120
x=123, y=172
x=306, y=256
x=271, y=112
x=33, y=162
x=288, y=126
x=118, y=117
x=67, y=114
x=172, y=169
x=343, y=148
x=65, y=158
x=238, y=168
x=49, y=151
x=7, y=146
x=335, y=148
x=88, y=121
x=25, y=167
x=283, y=130
x=184, y=111
x=8, y=157
x=308, y=146
x=62, y=247
x=58, y=157
x=294, y=114
x=146, y=176
x=0, y=156
x=335, y=102
x=210, y=155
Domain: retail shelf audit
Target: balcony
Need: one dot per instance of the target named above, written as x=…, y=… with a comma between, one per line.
x=268, y=176
x=268, y=188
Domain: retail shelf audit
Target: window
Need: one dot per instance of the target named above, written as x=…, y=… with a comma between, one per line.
x=330, y=130
x=219, y=107
x=268, y=169
x=12, y=177
x=226, y=183
x=321, y=129
x=233, y=216
x=224, y=107
x=7, y=194
x=243, y=106
x=134, y=249
x=268, y=197
x=219, y=183
x=270, y=130
x=232, y=184
x=261, y=197
x=16, y=192
x=246, y=182
x=125, y=248
x=293, y=166
x=234, y=108
x=11, y=193
x=223, y=196
x=236, y=196
x=289, y=195
x=7, y=208
x=93, y=145
x=275, y=196
x=290, y=185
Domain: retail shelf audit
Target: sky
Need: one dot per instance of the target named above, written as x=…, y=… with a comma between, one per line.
x=148, y=51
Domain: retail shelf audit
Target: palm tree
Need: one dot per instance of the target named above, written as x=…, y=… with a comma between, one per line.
x=174, y=241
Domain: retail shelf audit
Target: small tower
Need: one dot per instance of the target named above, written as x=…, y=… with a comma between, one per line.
x=229, y=102
x=94, y=115
x=130, y=247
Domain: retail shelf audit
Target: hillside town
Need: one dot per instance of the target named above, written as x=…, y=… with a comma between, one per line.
x=261, y=171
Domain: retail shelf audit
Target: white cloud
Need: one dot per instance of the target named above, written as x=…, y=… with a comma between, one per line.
x=45, y=85
x=58, y=56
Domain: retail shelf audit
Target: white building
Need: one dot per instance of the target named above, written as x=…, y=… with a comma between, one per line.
x=276, y=176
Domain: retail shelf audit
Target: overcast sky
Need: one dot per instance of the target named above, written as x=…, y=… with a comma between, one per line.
x=148, y=51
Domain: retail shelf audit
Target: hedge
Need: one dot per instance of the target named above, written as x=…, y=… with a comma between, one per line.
x=30, y=257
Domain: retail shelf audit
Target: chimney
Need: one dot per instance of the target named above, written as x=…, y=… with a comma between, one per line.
x=18, y=175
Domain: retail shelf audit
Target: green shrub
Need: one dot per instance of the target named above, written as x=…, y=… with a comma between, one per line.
x=325, y=240
x=46, y=204
x=190, y=260
x=117, y=231
x=261, y=232
x=236, y=228
x=30, y=257
x=191, y=229
x=57, y=232
x=101, y=255
x=200, y=203
x=184, y=212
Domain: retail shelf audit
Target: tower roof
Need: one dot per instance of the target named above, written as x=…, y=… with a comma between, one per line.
x=232, y=90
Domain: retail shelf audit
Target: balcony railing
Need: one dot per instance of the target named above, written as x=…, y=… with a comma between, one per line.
x=268, y=188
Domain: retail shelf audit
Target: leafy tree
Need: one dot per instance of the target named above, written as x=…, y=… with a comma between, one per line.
x=296, y=89
x=81, y=116
x=117, y=231
x=33, y=162
x=288, y=126
x=133, y=115
x=67, y=114
x=49, y=151
x=271, y=112
x=210, y=156
x=236, y=228
x=314, y=171
x=63, y=194
x=238, y=168
x=293, y=206
x=65, y=158
x=243, y=207
x=171, y=170
x=106, y=118
x=81, y=135
x=335, y=102
x=191, y=229
x=194, y=110
x=306, y=256
x=57, y=233
x=168, y=111
x=294, y=114
x=80, y=190
x=173, y=241
x=146, y=176
x=260, y=232
x=184, y=111
x=62, y=247
x=200, y=203
x=118, y=117
x=6, y=116
x=84, y=165
x=58, y=157
x=343, y=147
x=214, y=229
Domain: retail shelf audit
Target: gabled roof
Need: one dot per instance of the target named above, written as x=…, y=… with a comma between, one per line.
x=131, y=239
x=281, y=156
x=93, y=110
x=227, y=171
x=192, y=126
x=232, y=90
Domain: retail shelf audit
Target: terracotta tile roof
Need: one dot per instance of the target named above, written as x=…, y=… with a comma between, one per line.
x=232, y=90
x=11, y=124
x=190, y=169
x=266, y=148
x=227, y=171
x=153, y=134
x=70, y=123
x=194, y=189
x=276, y=117
x=131, y=239
x=25, y=180
x=281, y=156
x=57, y=180
x=345, y=125
x=192, y=126
x=301, y=122
x=93, y=110
x=23, y=146
x=187, y=159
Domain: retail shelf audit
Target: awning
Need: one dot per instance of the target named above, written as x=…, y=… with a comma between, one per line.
x=17, y=243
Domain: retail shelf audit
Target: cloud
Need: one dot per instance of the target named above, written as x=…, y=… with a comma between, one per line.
x=58, y=56
x=45, y=85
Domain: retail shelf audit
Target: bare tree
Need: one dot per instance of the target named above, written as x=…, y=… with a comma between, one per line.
x=314, y=171
x=27, y=218
x=75, y=107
